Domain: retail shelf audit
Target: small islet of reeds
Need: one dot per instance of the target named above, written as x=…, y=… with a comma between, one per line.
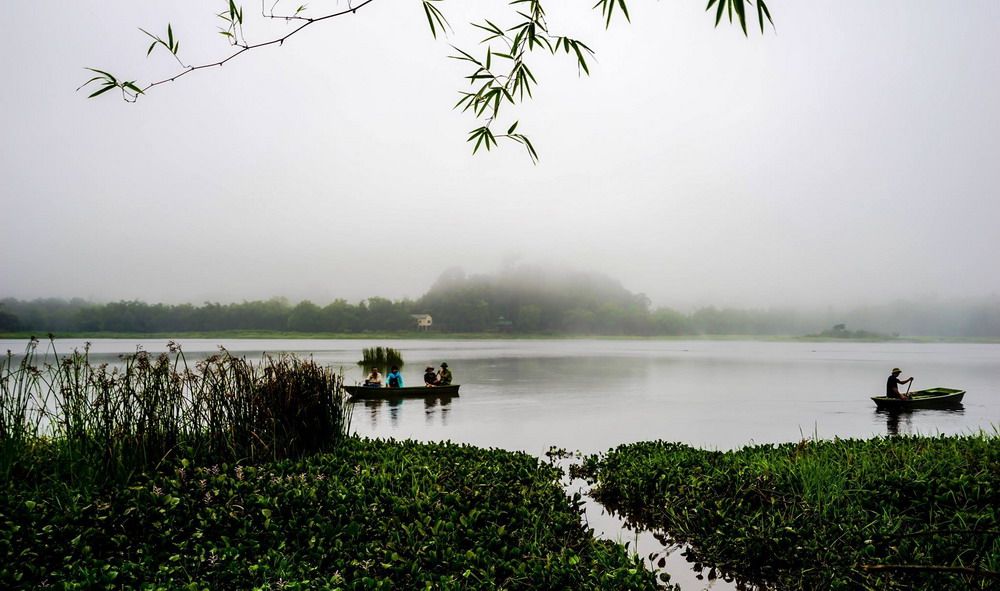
x=380, y=357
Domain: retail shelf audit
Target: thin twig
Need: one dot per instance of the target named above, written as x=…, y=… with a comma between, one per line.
x=245, y=48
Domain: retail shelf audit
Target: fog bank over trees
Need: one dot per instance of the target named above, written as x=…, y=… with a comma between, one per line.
x=527, y=300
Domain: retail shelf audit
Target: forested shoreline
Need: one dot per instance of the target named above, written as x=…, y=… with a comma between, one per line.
x=522, y=301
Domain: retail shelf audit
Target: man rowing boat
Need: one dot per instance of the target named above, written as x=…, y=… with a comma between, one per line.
x=892, y=385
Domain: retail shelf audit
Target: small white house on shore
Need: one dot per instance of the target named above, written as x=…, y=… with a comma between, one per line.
x=424, y=321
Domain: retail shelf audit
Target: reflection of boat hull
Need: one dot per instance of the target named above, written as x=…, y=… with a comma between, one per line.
x=932, y=398
x=368, y=393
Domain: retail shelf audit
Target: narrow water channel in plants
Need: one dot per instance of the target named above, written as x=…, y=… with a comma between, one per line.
x=658, y=555
x=592, y=395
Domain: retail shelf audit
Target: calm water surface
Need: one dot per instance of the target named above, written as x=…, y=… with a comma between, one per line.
x=591, y=395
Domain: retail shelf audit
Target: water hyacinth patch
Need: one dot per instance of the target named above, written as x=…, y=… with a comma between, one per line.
x=369, y=515
x=900, y=513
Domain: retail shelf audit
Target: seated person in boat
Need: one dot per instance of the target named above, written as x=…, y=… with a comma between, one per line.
x=892, y=385
x=374, y=379
x=444, y=375
x=394, y=379
x=430, y=378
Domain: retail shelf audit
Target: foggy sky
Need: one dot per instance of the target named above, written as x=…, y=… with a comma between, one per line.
x=850, y=156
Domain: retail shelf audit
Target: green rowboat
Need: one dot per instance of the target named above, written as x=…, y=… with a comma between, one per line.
x=931, y=398
x=369, y=393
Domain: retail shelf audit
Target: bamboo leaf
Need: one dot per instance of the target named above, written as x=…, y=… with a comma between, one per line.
x=430, y=19
x=581, y=62
x=110, y=78
x=478, y=141
x=761, y=13
x=741, y=13
x=621, y=4
x=101, y=91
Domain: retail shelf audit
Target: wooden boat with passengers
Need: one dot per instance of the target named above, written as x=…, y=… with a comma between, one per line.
x=930, y=398
x=373, y=393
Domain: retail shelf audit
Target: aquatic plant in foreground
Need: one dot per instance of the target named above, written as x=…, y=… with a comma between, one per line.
x=369, y=515
x=899, y=513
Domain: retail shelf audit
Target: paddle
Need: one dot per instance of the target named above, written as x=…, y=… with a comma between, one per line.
x=908, y=387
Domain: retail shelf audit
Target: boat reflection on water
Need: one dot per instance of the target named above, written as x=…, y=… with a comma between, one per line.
x=433, y=406
x=900, y=422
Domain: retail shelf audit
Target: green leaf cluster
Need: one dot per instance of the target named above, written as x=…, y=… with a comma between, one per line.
x=738, y=8
x=896, y=513
x=172, y=45
x=107, y=81
x=370, y=515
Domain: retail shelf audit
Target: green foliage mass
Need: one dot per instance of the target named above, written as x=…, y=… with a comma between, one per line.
x=900, y=513
x=369, y=515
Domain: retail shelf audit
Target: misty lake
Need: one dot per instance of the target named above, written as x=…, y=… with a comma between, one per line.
x=591, y=395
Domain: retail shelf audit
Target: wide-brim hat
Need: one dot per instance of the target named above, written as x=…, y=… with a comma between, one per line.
x=896, y=370
x=428, y=368
x=444, y=365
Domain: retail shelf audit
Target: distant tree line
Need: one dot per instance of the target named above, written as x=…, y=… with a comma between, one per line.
x=519, y=300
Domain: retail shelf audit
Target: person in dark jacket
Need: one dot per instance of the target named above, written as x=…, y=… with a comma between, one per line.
x=430, y=378
x=444, y=375
x=892, y=385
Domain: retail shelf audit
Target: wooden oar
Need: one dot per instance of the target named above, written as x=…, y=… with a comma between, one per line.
x=908, y=387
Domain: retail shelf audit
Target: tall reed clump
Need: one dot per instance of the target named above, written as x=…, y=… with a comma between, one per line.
x=380, y=357
x=67, y=417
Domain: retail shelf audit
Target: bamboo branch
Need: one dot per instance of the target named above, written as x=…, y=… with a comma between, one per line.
x=247, y=47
